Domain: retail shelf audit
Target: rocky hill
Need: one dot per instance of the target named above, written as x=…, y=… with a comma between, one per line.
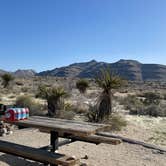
x=128, y=69
x=24, y=73
x=20, y=73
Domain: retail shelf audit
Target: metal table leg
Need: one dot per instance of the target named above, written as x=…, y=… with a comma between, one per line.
x=54, y=143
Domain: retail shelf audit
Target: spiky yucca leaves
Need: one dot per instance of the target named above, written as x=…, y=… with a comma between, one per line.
x=82, y=85
x=6, y=79
x=53, y=97
x=107, y=81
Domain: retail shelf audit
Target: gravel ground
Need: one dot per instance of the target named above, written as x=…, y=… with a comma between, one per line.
x=98, y=155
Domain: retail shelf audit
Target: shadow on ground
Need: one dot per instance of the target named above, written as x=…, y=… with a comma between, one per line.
x=16, y=161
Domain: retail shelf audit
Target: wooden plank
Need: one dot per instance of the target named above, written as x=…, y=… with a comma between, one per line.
x=60, y=125
x=75, y=124
x=132, y=141
x=36, y=154
x=69, y=121
x=96, y=139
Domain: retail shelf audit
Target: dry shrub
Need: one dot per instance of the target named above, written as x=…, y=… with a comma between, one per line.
x=116, y=121
x=66, y=114
x=138, y=106
x=27, y=101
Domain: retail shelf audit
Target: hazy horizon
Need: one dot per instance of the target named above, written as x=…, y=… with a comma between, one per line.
x=43, y=35
x=73, y=63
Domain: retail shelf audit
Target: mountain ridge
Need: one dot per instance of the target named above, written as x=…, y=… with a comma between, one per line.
x=128, y=69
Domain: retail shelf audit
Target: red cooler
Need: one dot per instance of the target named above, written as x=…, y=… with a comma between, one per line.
x=12, y=114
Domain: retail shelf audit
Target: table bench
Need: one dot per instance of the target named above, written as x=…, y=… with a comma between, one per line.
x=35, y=154
x=73, y=130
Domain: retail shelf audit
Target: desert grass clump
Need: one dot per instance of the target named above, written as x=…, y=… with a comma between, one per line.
x=117, y=122
x=82, y=85
x=28, y=102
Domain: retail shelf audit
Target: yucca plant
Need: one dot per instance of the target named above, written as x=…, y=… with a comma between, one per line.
x=107, y=81
x=6, y=79
x=82, y=85
x=54, y=97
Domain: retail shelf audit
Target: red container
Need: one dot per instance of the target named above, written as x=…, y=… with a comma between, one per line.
x=11, y=114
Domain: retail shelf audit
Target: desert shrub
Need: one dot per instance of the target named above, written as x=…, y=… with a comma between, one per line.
x=156, y=110
x=151, y=98
x=82, y=85
x=6, y=79
x=66, y=115
x=19, y=83
x=54, y=97
x=12, y=96
x=116, y=121
x=138, y=106
x=131, y=102
x=26, y=101
x=107, y=81
x=24, y=89
x=92, y=114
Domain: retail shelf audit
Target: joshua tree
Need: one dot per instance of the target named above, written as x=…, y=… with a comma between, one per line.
x=53, y=97
x=107, y=81
x=6, y=79
x=82, y=85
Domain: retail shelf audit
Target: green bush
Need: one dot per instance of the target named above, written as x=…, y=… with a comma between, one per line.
x=82, y=85
x=149, y=106
x=155, y=110
x=26, y=101
x=132, y=103
x=116, y=121
x=151, y=98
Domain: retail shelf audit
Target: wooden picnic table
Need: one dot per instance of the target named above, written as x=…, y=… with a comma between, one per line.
x=61, y=126
x=73, y=130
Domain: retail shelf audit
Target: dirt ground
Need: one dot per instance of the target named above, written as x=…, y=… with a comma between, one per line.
x=98, y=155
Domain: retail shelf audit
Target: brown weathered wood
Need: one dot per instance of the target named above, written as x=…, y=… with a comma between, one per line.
x=60, y=125
x=96, y=139
x=69, y=121
x=128, y=140
x=36, y=154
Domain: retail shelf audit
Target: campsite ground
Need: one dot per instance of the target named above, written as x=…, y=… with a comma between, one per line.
x=98, y=155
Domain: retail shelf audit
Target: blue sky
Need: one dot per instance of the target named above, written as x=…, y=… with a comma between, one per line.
x=44, y=34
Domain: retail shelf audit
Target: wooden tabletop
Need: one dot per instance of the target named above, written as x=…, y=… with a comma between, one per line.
x=62, y=126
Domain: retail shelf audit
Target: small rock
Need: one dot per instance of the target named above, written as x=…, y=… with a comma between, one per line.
x=83, y=164
x=85, y=157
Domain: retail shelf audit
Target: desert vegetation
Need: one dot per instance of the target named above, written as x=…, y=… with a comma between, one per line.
x=86, y=100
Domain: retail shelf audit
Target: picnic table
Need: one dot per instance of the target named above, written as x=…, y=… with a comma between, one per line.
x=70, y=129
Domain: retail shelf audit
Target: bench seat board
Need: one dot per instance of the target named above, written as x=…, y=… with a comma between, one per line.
x=35, y=154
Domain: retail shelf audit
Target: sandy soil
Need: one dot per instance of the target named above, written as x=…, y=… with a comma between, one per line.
x=98, y=155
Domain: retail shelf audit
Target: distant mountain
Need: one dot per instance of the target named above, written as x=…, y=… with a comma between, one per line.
x=128, y=69
x=20, y=73
x=24, y=73
x=2, y=72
